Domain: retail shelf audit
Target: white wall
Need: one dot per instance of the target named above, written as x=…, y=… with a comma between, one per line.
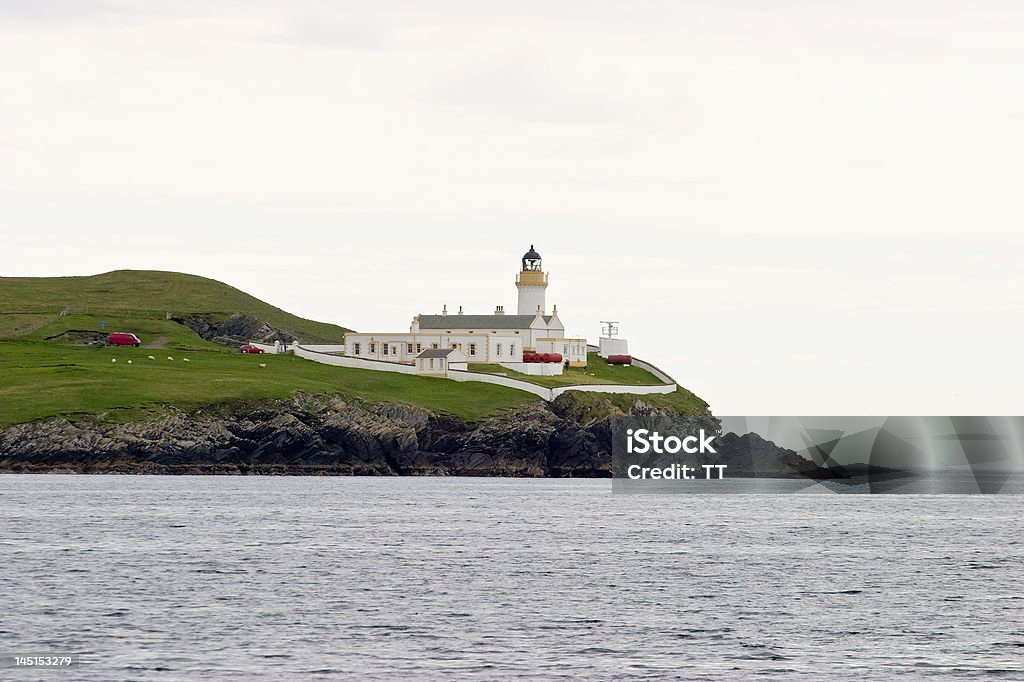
x=613, y=347
x=398, y=345
x=462, y=375
x=325, y=347
x=358, y=363
x=265, y=347
x=653, y=370
x=573, y=350
x=536, y=368
x=531, y=296
x=511, y=348
x=545, y=393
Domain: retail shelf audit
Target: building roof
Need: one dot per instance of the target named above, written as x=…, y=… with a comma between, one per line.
x=437, y=352
x=478, y=321
x=531, y=254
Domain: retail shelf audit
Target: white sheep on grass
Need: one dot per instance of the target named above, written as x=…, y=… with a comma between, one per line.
x=185, y=360
x=129, y=362
x=151, y=357
x=263, y=364
x=113, y=359
x=169, y=357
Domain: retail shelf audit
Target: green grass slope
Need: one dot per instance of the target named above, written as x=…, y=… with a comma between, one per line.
x=43, y=380
x=597, y=371
x=134, y=299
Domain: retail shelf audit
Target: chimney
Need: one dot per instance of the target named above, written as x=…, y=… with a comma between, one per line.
x=444, y=311
x=500, y=310
x=460, y=310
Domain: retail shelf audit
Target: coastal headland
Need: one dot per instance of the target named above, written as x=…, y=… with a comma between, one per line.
x=187, y=402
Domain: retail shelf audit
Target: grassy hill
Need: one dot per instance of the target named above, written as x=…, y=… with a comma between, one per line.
x=50, y=368
x=42, y=380
x=138, y=301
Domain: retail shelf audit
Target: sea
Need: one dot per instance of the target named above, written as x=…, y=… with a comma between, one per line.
x=306, y=578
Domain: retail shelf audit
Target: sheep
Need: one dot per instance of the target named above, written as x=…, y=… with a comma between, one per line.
x=263, y=364
x=113, y=359
x=185, y=360
x=129, y=362
x=170, y=358
x=151, y=357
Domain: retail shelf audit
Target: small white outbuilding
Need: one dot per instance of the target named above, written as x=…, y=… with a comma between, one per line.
x=437, y=361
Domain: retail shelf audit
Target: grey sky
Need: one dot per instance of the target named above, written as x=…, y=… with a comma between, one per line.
x=793, y=207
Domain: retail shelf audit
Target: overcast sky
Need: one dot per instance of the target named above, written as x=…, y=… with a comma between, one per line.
x=793, y=207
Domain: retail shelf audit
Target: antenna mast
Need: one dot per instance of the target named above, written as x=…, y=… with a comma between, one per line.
x=610, y=328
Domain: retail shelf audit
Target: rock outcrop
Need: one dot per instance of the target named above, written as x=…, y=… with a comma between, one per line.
x=331, y=435
x=235, y=330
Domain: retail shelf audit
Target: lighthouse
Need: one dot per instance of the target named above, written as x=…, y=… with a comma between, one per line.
x=532, y=282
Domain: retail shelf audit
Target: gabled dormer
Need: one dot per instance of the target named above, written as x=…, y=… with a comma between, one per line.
x=555, y=325
x=538, y=322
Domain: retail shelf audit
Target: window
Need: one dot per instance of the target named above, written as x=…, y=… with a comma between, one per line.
x=472, y=349
x=408, y=348
x=434, y=346
x=385, y=349
x=373, y=348
x=419, y=348
x=512, y=349
x=355, y=349
x=441, y=363
x=517, y=331
x=431, y=363
x=498, y=351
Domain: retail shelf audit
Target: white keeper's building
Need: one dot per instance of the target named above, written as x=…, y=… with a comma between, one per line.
x=495, y=338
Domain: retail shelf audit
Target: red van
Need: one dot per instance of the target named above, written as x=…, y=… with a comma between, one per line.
x=123, y=339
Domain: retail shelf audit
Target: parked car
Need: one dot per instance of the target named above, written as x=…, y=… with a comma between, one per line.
x=246, y=348
x=123, y=339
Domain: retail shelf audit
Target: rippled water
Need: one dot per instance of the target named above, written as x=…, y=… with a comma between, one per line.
x=160, y=578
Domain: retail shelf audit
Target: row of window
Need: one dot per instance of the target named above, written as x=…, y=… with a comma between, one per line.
x=389, y=349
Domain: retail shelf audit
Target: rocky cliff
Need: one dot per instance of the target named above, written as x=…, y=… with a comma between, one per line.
x=235, y=330
x=324, y=435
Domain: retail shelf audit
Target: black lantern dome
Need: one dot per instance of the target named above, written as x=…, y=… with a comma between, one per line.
x=531, y=261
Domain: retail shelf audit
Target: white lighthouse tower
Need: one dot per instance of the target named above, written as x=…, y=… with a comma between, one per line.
x=532, y=284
